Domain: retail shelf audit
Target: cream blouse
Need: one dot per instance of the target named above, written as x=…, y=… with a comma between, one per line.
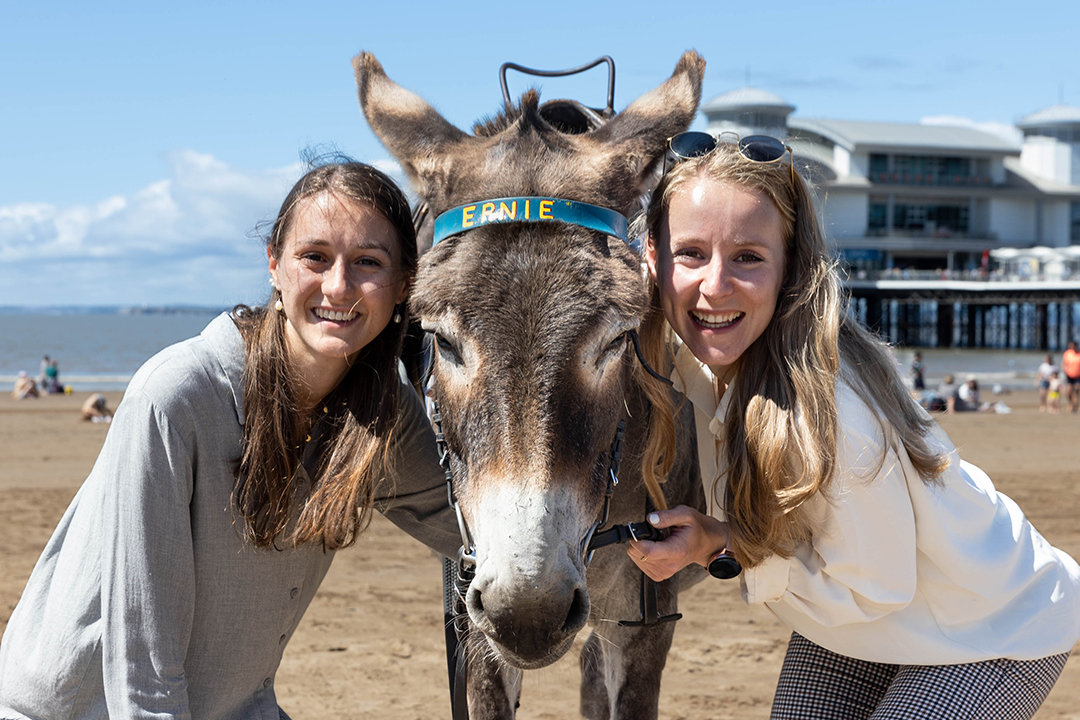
x=901, y=571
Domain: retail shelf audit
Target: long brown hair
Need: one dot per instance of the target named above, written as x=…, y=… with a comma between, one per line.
x=780, y=444
x=342, y=445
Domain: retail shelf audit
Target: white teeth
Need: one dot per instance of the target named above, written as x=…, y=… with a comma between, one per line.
x=711, y=320
x=335, y=315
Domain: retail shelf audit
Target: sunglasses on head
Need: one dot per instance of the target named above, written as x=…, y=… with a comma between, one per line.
x=755, y=148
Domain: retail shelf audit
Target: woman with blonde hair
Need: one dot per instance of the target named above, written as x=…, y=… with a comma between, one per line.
x=236, y=464
x=914, y=588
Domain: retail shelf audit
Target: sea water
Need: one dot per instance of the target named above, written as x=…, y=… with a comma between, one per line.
x=93, y=351
x=103, y=351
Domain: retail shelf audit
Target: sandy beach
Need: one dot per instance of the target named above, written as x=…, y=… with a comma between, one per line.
x=372, y=641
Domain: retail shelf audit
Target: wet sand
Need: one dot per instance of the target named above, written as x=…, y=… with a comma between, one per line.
x=372, y=641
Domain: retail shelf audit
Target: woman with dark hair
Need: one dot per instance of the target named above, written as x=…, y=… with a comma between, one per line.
x=237, y=463
x=914, y=588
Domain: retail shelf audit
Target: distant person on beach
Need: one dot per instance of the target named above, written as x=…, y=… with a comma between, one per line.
x=42, y=374
x=1042, y=379
x=917, y=369
x=947, y=391
x=913, y=588
x=52, y=378
x=237, y=463
x=968, y=398
x=1070, y=365
x=96, y=409
x=1053, y=394
x=25, y=387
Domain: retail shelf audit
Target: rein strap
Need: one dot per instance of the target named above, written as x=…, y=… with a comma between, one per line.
x=529, y=209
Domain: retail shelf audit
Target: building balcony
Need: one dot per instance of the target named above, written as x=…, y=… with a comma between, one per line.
x=941, y=232
x=902, y=178
x=997, y=275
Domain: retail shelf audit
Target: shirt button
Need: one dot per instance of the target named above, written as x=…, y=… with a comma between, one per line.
x=266, y=682
x=294, y=592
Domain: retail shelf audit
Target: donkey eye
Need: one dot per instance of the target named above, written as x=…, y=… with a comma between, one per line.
x=617, y=345
x=447, y=349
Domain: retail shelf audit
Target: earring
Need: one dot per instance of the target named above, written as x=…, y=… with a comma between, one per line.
x=278, y=305
x=397, y=317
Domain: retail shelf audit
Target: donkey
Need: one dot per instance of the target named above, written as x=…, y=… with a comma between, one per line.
x=534, y=373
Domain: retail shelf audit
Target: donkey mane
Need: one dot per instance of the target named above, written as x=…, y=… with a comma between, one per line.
x=490, y=126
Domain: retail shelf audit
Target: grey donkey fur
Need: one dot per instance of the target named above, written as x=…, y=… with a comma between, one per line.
x=533, y=375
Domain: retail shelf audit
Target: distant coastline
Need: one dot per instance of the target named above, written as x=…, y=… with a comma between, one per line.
x=111, y=310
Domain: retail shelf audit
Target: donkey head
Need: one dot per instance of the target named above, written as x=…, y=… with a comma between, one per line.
x=530, y=321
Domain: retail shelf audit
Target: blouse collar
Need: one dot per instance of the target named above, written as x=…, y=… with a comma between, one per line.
x=696, y=381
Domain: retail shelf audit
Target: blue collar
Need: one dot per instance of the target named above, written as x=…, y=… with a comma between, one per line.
x=529, y=209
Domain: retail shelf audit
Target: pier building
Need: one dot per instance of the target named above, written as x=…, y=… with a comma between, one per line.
x=949, y=235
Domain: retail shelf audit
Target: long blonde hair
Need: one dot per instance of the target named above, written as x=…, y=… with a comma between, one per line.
x=780, y=445
x=345, y=452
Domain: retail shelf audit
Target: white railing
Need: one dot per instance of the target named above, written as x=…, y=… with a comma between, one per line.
x=998, y=275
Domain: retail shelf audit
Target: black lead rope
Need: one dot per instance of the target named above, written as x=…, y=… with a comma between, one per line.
x=649, y=602
x=456, y=630
x=641, y=358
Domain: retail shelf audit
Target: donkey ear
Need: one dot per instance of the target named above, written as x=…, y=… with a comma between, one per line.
x=636, y=136
x=417, y=135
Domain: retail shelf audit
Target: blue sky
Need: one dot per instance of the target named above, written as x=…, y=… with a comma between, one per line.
x=141, y=146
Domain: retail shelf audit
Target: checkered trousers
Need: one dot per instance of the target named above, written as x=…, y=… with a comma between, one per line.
x=817, y=684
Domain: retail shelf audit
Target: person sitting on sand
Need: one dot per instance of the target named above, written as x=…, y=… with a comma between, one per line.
x=96, y=410
x=968, y=399
x=947, y=392
x=25, y=387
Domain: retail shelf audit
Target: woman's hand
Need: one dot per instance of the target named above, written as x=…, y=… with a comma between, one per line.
x=694, y=538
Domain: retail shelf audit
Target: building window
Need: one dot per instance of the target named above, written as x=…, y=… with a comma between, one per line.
x=1074, y=229
x=954, y=167
x=925, y=170
x=877, y=216
x=758, y=119
x=937, y=219
x=879, y=167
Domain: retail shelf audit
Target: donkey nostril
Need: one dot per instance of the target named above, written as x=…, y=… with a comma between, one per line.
x=579, y=612
x=474, y=606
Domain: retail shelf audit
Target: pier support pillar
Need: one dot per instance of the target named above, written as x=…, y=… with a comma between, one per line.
x=972, y=312
x=1042, y=333
x=944, y=325
x=1008, y=325
x=873, y=314
x=1067, y=308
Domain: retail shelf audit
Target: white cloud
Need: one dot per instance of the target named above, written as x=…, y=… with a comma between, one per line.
x=1005, y=131
x=185, y=239
x=191, y=238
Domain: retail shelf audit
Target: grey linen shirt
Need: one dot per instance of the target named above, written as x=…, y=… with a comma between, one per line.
x=146, y=603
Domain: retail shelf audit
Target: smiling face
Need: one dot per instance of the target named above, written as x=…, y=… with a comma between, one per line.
x=340, y=276
x=718, y=259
